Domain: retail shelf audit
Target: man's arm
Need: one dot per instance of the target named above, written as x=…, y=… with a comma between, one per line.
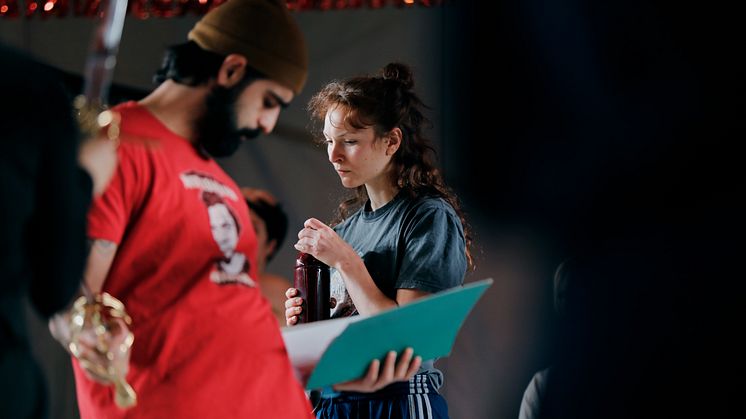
x=88, y=348
x=100, y=258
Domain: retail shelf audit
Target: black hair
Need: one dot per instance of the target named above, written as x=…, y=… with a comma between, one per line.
x=191, y=65
x=274, y=218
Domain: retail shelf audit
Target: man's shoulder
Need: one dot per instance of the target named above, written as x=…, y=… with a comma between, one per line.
x=128, y=110
x=140, y=133
x=137, y=126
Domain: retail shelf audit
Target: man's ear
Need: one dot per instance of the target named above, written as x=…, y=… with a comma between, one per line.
x=232, y=70
x=394, y=141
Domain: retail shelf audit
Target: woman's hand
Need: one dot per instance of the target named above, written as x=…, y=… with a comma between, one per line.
x=379, y=377
x=323, y=243
x=292, y=306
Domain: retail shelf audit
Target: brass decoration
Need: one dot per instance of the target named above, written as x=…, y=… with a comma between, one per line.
x=95, y=120
x=102, y=323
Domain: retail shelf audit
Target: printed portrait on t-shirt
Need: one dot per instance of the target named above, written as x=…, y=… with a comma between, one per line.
x=342, y=305
x=225, y=228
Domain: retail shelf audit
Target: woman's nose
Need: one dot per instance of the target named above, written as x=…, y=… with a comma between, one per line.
x=335, y=153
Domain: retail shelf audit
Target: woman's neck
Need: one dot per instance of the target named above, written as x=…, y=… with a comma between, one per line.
x=380, y=196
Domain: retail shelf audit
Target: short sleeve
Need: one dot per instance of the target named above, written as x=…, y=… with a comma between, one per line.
x=434, y=256
x=111, y=211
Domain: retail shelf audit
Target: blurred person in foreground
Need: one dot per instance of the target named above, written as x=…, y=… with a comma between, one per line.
x=47, y=176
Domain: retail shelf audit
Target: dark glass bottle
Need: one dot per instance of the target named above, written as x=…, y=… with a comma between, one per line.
x=311, y=279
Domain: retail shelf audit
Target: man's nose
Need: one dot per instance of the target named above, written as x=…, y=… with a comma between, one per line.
x=268, y=120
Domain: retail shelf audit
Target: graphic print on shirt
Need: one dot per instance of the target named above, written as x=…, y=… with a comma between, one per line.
x=343, y=305
x=233, y=267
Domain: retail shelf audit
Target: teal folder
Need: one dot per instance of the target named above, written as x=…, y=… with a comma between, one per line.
x=339, y=350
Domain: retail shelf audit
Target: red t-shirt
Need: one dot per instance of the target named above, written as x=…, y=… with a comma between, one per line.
x=206, y=342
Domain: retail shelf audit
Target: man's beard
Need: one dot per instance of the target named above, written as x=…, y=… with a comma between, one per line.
x=217, y=129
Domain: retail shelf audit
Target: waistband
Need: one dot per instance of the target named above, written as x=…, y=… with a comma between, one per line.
x=419, y=384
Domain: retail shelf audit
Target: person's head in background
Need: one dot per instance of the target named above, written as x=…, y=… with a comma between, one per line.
x=560, y=286
x=252, y=57
x=373, y=127
x=580, y=295
x=270, y=223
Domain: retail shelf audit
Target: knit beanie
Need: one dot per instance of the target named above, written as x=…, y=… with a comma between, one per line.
x=261, y=30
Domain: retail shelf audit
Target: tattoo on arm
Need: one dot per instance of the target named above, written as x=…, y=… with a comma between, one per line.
x=100, y=257
x=102, y=246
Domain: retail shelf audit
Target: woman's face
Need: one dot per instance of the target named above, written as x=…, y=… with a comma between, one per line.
x=224, y=229
x=356, y=154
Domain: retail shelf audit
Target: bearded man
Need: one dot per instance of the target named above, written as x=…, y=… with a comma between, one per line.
x=202, y=348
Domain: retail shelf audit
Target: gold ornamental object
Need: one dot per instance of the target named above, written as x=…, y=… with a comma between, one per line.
x=95, y=120
x=101, y=324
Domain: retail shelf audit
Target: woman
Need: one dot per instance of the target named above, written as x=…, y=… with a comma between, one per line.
x=400, y=238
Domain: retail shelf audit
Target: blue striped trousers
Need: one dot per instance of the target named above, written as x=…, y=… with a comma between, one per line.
x=415, y=399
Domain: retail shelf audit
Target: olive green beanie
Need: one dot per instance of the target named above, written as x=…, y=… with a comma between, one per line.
x=261, y=30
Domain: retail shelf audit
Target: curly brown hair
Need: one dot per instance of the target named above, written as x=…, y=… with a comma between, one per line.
x=384, y=102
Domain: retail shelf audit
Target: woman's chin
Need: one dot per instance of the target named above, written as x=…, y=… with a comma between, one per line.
x=349, y=184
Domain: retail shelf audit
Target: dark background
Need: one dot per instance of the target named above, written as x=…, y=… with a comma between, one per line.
x=610, y=130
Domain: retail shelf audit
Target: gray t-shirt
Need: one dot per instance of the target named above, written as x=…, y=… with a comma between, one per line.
x=410, y=243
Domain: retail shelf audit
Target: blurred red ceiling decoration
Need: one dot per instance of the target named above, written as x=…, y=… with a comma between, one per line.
x=144, y=9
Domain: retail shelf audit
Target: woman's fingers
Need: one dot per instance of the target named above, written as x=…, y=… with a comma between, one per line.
x=293, y=302
x=403, y=364
x=307, y=240
x=372, y=376
x=414, y=367
x=379, y=376
x=291, y=315
x=315, y=224
x=292, y=306
x=387, y=372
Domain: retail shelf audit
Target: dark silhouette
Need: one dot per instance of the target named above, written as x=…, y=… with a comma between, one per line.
x=45, y=195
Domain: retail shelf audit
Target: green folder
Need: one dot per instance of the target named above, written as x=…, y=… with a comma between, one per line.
x=339, y=350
